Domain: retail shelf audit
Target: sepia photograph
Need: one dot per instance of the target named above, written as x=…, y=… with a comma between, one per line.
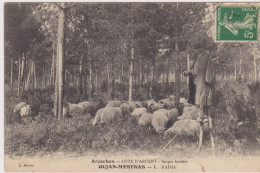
x=131, y=87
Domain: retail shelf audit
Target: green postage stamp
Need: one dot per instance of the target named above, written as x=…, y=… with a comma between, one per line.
x=236, y=24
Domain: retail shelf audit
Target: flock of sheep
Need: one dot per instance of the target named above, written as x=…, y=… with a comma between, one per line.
x=162, y=116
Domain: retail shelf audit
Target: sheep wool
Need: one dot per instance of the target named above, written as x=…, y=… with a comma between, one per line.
x=188, y=112
x=191, y=129
x=106, y=115
x=149, y=102
x=19, y=106
x=173, y=114
x=114, y=103
x=86, y=106
x=26, y=111
x=156, y=106
x=171, y=97
x=139, y=111
x=138, y=104
x=183, y=100
x=161, y=111
x=145, y=119
x=75, y=109
x=168, y=104
x=159, y=121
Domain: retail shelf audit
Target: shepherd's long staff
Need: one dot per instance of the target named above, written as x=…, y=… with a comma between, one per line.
x=182, y=129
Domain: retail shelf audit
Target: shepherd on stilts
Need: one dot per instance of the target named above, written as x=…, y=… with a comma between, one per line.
x=202, y=74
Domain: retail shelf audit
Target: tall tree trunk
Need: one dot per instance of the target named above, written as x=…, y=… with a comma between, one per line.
x=167, y=74
x=96, y=80
x=90, y=80
x=140, y=73
x=163, y=78
x=235, y=72
x=177, y=70
x=113, y=79
x=122, y=74
x=22, y=73
x=52, y=75
x=43, y=77
x=56, y=94
x=153, y=78
x=19, y=76
x=29, y=75
x=240, y=63
x=107, y=68
x=255, y=68
x=11, y=75
x=60, y=57
x=188, y=67
x=34, y=76
x=131, y=70
x=80, y=74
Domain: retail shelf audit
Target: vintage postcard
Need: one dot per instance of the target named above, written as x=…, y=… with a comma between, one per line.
x=131, y=87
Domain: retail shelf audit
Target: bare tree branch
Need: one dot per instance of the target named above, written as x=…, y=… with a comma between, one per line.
x=152, y=30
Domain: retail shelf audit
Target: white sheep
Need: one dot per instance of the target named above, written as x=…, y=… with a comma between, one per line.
x=139, y=111
x=127, y=108
x=173, y=114
x=188, y=112
x=184, y=101
x=138, y=104
x=86, y=106
x=161, y=111
x=113, y=103
x=149, y=102
x=168, y=104
x=156, y=106
x=171, y=97
x=145, y=119
x=18, y=107
x=75, y=109
x=190, y=130
x=107, y=115
x=160, y=120
x=25, y=111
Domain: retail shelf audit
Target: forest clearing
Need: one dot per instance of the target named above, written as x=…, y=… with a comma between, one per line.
x=118, y=78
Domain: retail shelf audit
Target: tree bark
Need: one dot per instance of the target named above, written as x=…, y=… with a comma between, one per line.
x=153, y=78
x=22, y=74
x=122, y=74
x=113, y=78
x=29, y=76
x=11, y=75
x=90, y=79
x=34, y=76
x=177, y=71
x=235, y=72
x=131, y=71
x=255, y=69
x=80, y=74
x=240, y=63
x=52, y=75
x=60, y=57
x=19, y=75
x=188, y=67
x=96, y=80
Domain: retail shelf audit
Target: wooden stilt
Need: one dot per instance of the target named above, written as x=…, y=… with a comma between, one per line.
x=201, y=136
x=212, y=143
